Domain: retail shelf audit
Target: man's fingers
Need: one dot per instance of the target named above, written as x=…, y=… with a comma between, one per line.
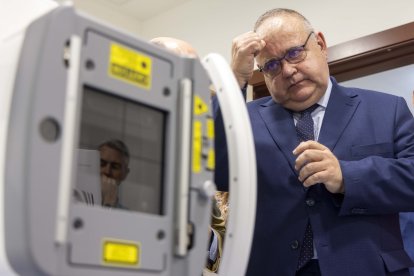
x=308, y=145
x=317, y=164
x=247, y=44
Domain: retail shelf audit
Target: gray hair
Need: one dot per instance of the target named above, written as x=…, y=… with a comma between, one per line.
x=281, y=12
x=118, y=145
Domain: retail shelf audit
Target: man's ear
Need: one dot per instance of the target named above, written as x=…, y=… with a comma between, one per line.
x=320, y=40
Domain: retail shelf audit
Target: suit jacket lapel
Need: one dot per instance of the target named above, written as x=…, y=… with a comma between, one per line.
x=279, y=122
x=281, y=127
x=341, y=106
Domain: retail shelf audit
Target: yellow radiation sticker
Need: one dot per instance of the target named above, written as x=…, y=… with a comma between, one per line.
x=121, y=253
x=130, y=66
x=200, y=106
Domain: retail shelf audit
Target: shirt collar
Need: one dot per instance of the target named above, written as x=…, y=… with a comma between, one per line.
x=323, y=101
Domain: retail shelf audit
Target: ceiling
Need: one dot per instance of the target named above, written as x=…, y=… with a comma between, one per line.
x=140, y=9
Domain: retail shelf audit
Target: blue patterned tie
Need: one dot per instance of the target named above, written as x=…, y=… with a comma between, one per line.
x=304, y=125
x=305, y=131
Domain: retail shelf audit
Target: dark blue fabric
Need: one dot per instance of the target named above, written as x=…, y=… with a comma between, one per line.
x=305, y=132
x=310, y=269
x=372, y=136
x=407, y=231
x=304, y=125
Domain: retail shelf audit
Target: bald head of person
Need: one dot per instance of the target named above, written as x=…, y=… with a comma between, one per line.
x=175, y=45
x=179, y=47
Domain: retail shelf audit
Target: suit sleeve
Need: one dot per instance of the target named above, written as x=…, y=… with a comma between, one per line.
x=383, y=183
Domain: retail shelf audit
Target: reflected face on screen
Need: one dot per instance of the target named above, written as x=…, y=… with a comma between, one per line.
x=125, y=142
x=113, y=164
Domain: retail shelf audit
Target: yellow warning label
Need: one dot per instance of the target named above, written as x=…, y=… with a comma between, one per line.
x=210, y=128
x=211, y=160
x=130, y=66
x=121, y=253
x=200, y=106
x=197, y=145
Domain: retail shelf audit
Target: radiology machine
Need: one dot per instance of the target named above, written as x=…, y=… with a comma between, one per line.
x=68, y=83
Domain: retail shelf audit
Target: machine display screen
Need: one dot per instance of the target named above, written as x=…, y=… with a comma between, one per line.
x=121, y=153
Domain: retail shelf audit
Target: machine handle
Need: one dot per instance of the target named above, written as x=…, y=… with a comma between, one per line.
x=185, y=100
x=69, y=141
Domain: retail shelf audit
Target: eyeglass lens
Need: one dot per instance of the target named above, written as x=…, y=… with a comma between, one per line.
x=293, y=55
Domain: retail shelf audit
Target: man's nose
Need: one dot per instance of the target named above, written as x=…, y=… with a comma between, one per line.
x=288, y=69
x=106, y=170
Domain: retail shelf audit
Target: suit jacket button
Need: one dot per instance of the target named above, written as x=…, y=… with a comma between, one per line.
x=310, y=202
x=294, y=244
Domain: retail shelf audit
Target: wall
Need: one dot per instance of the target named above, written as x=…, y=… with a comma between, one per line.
x=398, y=81
x=211, y=25
x=104, y=13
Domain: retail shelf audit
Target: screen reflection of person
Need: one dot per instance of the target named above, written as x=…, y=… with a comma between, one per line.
x=114, y=163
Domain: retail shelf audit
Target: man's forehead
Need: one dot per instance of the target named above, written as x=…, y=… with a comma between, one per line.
x=270, y=25
x=279, y=36
x=281, y=26
x=105, y=160
x=108, y=151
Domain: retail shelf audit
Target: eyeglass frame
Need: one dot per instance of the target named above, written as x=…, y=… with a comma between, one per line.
x=302, y=48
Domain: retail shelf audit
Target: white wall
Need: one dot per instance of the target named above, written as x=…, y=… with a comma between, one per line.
x=102, y=11
x=210, y=25
x=398, y=81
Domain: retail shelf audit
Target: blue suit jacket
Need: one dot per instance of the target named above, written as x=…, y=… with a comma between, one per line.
x=358, y=234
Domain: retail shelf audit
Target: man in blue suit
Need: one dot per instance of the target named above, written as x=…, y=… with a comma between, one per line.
x=327, y=205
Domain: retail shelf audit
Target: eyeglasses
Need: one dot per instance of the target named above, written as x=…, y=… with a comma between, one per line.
x=294, y=55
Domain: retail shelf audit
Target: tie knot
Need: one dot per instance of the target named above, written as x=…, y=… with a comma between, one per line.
x=308, y=110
